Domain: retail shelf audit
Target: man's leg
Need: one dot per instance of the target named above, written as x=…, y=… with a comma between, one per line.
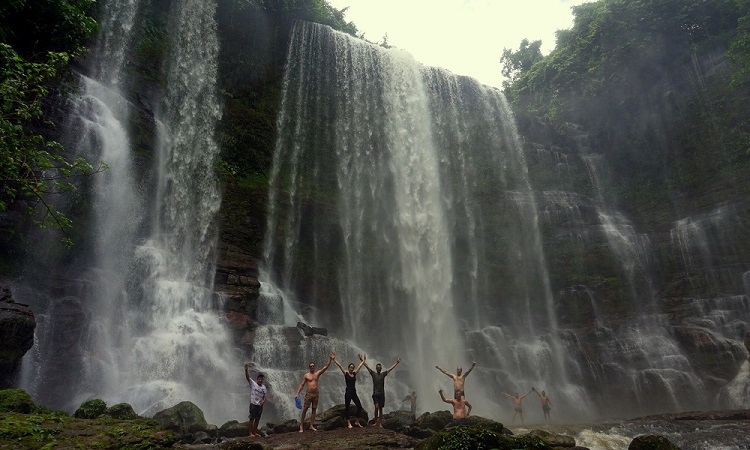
x=312, y=419
x=302, y=419
x=380, y=418
x=377, y=407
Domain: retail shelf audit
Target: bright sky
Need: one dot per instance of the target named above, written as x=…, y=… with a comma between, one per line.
x=466, y=37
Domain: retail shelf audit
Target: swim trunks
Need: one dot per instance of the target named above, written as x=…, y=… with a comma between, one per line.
x=311, y=398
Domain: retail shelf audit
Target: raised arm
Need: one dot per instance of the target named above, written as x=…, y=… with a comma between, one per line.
x=332, y=356
x=537, y=392
x=442, y=397
x=473, y=364
x=394, y=364
x=247, y=373
x=524, y=395
x=356, y=370
x=340, y=366
x=364, y=361
x=448, y=374
x=508, y=395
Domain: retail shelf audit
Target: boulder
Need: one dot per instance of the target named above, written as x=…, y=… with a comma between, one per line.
x=15, y=400
x=334, y=417
x=434, y=421
x=713, y=356
x=91, y=409
x=285, y=427
x=234, y=429
x=183, y=418
x=487, y=424
x=122, y=411
x=652, y=442
x=554, y=440
x=309, y=331
x=397, y=420
x=17, y=325
x=477, y=437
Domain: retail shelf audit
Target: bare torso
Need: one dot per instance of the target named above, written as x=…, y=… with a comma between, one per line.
x=312, y=381
x=458, y=382
x=459, y=409
x=517, y=401
x=544, y=399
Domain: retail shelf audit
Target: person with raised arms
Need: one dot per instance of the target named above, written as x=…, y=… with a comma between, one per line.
x=350, y=377
x=459, y=378
x=311, y=396
x=378, y=388
x=517, y=407
x=461, y=408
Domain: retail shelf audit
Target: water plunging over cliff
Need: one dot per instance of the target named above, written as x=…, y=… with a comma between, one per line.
x=389, y=182
x=148, y=331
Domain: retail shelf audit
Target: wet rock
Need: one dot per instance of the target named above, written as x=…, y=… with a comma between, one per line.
x=652, y=442
x=233, y=429
x=477, y=437
x=554, y=440
x=397, y=420
x=310, y=331
x=182, y=419
x=716, y=358
x=747, y=344
x=333, y=417
x=17, y=325
x=285, y=427
x=434, y=421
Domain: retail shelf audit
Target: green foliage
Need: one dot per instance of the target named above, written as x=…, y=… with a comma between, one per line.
x=32, y=166
x=15, y=400
x=35, y=27
x=470, y=438
x=515, y=63
x=91, y=409
x=122, y=411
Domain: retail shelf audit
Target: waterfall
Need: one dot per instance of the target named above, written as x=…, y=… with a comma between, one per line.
x=149, y=334
x=389, y=182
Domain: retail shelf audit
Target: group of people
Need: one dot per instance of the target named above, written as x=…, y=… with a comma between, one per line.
x=461, y=407
x=350, y=395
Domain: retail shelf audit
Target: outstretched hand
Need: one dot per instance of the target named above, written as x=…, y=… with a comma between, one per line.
x=473, y=363
x=333, y=355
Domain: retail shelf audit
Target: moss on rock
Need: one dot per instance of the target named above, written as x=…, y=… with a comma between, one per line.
x=15, y=400
x=91, y=409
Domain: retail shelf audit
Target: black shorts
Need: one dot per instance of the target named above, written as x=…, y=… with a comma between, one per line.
x=255, y=411
x=379, y=399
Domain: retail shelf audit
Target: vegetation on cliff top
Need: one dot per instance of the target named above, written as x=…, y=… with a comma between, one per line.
x=650, y=84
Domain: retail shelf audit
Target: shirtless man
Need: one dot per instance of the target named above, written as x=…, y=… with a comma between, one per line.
x=311, y=396
x=461, y=408
x=378, y=387
x=546, y=403
x=458, y=378
x=517, y=409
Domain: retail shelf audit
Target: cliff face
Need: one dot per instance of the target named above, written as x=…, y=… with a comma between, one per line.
x=17, y=325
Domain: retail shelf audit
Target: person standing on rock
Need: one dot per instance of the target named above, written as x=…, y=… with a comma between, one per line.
x=257, y=399
x=350, y=377
x=517, y=407
x=546, y=403
x=311, y=396
x=461, y=408
x=459, y=378
x=378, y=387
x=412, y=399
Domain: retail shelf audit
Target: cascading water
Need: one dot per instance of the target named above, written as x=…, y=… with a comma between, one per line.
x=150, y=335
x=389, y=183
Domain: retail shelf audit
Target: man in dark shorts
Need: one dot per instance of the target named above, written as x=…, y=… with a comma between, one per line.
x=257, y=399
x=378, y=388
x=459, y=378
x=546, y=403
x=517, y=406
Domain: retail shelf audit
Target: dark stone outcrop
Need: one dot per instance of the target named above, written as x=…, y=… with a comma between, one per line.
x=554, y=440
x=122, y=411
x=310, y=331
x=17, y=325
x=91, y=409
x=183, y=419
x=652, y=442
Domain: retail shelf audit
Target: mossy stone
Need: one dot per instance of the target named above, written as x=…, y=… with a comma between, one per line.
x=15, y=400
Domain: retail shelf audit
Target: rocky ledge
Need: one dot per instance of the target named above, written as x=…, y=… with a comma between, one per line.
x=17, y=325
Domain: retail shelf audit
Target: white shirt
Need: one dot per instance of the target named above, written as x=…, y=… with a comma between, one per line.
x=257, y=392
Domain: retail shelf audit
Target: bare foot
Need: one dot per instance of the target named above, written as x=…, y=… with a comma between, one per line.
x=380, y=425
x=313, y=428
x=349, y=425
x=359, y=424
x=301, y=431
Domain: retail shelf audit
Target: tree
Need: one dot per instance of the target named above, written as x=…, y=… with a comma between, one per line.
x=520, y=61
x=48, y=33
